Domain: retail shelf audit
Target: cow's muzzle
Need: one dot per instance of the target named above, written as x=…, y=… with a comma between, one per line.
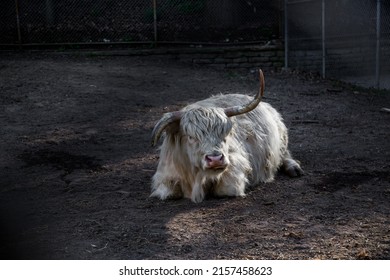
x=215, y=161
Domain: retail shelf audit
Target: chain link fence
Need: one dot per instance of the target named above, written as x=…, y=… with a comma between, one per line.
x=70, y=21
x=221, y=21
x=138, y=21
x=345, y=39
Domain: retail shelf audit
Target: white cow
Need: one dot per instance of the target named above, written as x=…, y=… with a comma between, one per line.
x=220, y=145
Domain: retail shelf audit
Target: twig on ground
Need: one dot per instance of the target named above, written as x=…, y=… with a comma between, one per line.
x=305, y=121
x=387, y=110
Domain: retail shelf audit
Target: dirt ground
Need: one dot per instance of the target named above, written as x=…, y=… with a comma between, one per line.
x=76, y=165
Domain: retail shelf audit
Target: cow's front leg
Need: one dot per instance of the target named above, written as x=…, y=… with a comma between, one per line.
x=164, y=187
x=231, y=184
x=198, y=193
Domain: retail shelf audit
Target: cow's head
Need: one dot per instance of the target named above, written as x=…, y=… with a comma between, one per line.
x=204, y=132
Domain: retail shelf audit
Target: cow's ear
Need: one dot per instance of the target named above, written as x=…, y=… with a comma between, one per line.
x=173, y=127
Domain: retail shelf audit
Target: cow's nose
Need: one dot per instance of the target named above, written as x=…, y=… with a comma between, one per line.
x=215, y=160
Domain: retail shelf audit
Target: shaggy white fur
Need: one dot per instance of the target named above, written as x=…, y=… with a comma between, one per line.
x=254, y=146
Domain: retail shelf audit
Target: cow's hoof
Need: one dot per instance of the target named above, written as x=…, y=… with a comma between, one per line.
x=292, y=168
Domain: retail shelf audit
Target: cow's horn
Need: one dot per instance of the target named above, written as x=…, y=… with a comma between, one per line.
x=242, y=109
x=160, y=126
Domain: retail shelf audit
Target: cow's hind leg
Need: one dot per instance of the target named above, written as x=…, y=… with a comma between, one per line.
x=291, y=166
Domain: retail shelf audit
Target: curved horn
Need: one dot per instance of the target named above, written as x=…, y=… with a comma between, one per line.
x=160, y=126
x=242, y=109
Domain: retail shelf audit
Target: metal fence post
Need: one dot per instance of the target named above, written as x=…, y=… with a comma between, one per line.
x=285, y=34
x=18, y=22
x=323, y=41
x=378, y=43
x=155, y=20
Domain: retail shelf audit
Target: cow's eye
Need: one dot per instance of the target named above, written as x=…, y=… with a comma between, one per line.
x=191, y=139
